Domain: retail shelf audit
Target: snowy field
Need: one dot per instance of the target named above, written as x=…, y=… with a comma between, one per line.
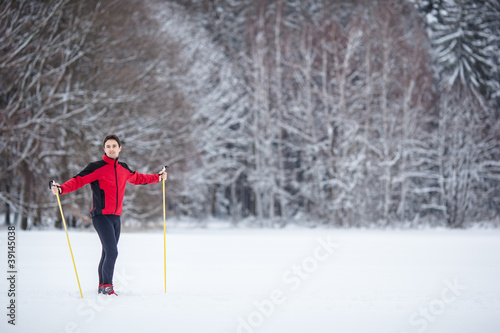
x=268, y=281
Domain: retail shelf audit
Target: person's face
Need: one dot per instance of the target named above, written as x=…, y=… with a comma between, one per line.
x=112, y=149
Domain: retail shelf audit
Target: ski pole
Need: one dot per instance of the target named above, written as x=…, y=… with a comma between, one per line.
x=67, y=236
x=164, y=233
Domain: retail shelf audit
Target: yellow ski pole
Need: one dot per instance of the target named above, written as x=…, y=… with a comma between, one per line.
x=67, y=236
x=164, y=234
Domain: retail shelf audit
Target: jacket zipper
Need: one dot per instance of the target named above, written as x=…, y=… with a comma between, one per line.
x=116, y=182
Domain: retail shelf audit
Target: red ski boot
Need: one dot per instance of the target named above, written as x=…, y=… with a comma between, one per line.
x=107, y=289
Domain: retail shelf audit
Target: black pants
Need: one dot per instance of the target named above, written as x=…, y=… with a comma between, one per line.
x=108, y=228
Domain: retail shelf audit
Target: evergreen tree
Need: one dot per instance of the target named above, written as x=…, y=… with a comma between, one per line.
x=465, y=39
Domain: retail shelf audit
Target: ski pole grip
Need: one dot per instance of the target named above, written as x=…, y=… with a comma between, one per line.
x=52, y=183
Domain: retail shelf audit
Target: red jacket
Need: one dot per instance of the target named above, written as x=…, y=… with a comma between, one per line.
x=107, y=179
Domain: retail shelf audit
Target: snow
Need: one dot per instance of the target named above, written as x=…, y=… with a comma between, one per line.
x=261, y=280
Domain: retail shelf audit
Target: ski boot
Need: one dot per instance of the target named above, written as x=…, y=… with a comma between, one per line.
x=107, y=289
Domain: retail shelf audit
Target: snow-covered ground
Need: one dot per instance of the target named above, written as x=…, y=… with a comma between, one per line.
x=247, y=280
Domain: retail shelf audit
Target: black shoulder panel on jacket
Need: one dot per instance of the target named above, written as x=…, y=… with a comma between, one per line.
x=91, y=168
x=123, y=164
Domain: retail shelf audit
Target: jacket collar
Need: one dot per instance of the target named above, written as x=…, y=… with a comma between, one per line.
x=109, y=160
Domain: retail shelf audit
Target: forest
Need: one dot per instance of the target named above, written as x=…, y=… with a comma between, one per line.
x=313, y=112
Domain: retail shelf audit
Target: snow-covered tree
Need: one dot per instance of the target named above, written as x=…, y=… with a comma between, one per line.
x=41, y=99
x=465, y=38
x=324, y=111
x=467, y=158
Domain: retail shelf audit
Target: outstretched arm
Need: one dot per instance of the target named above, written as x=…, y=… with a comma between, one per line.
x=143, y=179
x=85, y=177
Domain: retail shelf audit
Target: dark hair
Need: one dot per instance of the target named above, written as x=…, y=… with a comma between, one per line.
x=111, y=137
